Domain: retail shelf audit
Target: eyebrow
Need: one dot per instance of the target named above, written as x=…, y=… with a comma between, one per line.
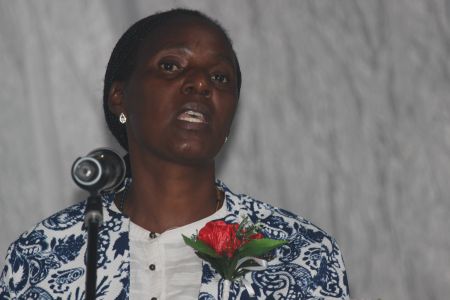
x=227, y=58
x=176, y=48
x=181, y=48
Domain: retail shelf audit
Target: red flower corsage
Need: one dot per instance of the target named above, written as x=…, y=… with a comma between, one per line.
x=233, y=249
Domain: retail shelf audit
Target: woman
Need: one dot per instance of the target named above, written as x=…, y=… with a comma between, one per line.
x=171, y=90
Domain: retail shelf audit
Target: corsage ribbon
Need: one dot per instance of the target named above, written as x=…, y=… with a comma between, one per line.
x=261, y=265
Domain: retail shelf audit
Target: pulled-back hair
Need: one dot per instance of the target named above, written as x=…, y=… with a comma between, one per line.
x=124, y=56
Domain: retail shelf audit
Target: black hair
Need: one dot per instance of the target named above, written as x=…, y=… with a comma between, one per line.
x=123, y=59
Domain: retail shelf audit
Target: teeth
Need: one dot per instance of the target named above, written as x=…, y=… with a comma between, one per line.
x=195, y=114
x=192, y=116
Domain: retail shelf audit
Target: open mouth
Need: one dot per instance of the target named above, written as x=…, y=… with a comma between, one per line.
x=192, y=116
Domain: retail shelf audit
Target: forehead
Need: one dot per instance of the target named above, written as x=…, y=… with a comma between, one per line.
x=187, y=32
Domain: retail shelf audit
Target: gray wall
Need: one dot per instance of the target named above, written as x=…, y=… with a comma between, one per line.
x=344, y=118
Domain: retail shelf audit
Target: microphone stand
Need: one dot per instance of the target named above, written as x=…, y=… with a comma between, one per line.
x=93, y=220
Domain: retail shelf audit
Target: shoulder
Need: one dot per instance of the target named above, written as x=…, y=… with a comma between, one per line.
x=277, y=223
x=49, y=259
x=64, y=224
x=39, y=237
x=311, y=257
x=51, y=243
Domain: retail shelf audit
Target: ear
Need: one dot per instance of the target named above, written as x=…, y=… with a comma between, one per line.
x=116, y=98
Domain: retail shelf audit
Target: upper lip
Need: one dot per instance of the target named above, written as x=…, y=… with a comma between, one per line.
x=197, y=107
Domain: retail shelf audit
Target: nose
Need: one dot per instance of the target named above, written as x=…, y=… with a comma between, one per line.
x=197, y=82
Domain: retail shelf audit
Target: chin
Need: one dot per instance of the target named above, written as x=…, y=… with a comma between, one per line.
x=190, y=154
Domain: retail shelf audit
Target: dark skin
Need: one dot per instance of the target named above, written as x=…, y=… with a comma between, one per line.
x=179, y=104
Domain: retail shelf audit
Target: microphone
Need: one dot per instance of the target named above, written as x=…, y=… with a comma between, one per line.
x=102, y=170
x=99, y=171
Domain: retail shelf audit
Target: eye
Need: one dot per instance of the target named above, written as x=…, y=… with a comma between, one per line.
x=169, y=67
x=219, y=78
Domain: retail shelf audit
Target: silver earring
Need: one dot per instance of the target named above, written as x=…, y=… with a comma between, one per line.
x=122, y=118
x=226, y=139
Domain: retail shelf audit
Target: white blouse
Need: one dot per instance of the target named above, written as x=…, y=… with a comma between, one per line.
x=162, y=266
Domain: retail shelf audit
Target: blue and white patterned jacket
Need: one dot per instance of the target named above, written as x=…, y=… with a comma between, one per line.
x=48, y=262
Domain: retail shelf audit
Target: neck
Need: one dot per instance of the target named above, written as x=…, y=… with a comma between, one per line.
x=165, y=194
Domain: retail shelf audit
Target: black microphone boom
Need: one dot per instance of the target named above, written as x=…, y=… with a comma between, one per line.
x=101, y=170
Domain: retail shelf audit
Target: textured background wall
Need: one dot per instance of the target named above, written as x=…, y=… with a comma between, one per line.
x=344, y=118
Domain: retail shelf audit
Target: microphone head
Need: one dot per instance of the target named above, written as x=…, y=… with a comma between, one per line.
x=101, y=170
x=86, y=170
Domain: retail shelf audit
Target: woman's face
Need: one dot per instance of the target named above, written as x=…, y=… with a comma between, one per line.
x=182, y=95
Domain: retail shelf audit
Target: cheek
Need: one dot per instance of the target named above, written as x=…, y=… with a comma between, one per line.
x=226, y=112
x=150, y=100
x=144, y=115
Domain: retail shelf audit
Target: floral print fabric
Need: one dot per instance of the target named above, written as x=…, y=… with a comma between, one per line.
x=48, y=262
